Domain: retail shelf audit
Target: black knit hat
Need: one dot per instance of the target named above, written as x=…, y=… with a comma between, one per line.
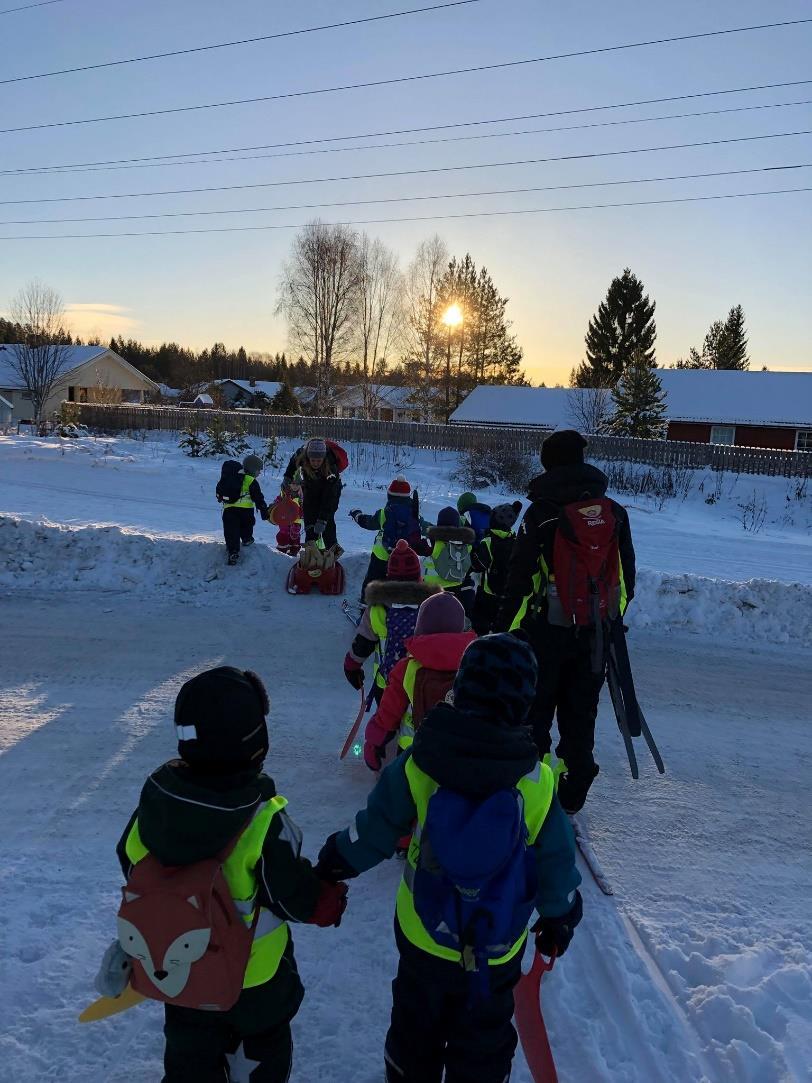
x=564, y=448
x=220, y=720
x=497, y=678
x=504, y=516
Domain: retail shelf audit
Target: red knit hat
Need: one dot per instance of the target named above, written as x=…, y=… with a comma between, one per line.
x=399, y=487
x=404, y=563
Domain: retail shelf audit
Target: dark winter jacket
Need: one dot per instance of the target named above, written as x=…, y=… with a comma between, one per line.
x=321, y=489
x=255, y=492
x=492, y=558
x=386, y=593
x=185, y=816
x=377, y=521
x=475, y=756
x=549, y=493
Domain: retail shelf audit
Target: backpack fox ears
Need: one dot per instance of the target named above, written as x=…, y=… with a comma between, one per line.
x=131, y=896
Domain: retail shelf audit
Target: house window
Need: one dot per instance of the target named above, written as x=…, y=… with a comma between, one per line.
x=25, y=395
x=803, y=440
x=723, y=434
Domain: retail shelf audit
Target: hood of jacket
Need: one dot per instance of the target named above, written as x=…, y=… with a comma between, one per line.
x=472, y=754
x=442, y=650
x=451, y=533
x=184, y=816
x=398, y=592
x=566, y=484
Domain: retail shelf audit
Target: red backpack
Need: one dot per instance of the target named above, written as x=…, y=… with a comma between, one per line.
x=188, y=942
x=586, y=566
x=341, y=457
x=431, y=686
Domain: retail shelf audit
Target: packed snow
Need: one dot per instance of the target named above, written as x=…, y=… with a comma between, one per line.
x=114, y=591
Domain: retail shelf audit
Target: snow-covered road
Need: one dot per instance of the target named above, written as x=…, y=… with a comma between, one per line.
x=700, y=969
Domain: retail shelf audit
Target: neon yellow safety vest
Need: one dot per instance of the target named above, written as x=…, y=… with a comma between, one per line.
x=537, y=791
x=542, y=581
x=244, y=500
x=406, y=734
x=271, y=934
x=377, y=621
x=379, y=550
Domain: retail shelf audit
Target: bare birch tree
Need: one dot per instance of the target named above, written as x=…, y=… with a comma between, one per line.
x=317, y=295
x=41, y=356
x=379, y=319
x=590, y=409
x=423, y=284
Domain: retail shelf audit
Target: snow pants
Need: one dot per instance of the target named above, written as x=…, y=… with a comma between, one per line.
x=253, y=1039
x=238, y=526
x=436, y=1027
x=566, y=688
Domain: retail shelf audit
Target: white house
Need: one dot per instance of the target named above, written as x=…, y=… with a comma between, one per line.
x=389, y=403
x=87, y=374
x=6, y=411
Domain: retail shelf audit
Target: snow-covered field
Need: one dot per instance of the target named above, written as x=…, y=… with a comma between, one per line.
x=113, y=591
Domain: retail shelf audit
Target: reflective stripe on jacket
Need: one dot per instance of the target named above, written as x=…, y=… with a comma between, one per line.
x=271, y=933
x=537, y=790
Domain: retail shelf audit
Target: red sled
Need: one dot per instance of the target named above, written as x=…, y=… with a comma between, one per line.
x=326, y=581
x=530, y=1022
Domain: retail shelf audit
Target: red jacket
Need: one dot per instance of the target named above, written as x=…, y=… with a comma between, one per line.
x=441, y=651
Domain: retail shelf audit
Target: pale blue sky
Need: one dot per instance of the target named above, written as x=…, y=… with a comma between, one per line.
x=696, y=260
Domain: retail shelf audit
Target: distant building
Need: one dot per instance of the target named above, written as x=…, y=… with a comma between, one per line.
x=257, y=394
x=6, y=412
x=707, y=406
x=87, y=374
x=387, y=402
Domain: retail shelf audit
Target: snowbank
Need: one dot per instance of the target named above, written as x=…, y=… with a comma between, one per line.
x=43, y=555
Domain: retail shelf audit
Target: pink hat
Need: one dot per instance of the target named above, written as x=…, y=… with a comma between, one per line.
x=440, y=613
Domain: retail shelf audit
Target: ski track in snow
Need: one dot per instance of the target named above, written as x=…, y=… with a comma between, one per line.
x=697, y=971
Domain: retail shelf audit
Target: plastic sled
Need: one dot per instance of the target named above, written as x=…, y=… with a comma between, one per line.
x=104, y=1007
x=284, y=511
x=325, y=580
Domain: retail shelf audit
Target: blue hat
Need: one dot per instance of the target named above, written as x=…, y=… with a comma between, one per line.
x=497, y=677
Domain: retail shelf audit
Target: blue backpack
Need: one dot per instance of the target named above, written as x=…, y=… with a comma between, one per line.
x=399, y=523
x=479, y=516
x=476, y=877
x=400, y=625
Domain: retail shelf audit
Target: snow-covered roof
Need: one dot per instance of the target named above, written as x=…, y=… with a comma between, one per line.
x=384, y=395
x=738, y=398
x=267, y=387
x=547, y=407
x=204, y=400
x=73, y=358
x=169, y=392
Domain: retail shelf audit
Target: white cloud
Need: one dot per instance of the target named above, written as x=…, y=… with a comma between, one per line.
x=99, y=318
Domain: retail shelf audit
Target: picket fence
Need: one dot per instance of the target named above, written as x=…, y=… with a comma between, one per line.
x=478, y=439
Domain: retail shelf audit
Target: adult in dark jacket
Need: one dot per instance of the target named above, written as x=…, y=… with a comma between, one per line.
x=567, y=684
x=477, y=747
x=315, y=467
x=191, y=809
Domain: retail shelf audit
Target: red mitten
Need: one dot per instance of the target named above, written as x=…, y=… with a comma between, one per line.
x=330, y=905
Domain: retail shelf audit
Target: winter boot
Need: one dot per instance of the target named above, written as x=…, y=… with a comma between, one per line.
x=233, y=558
x=248, y=541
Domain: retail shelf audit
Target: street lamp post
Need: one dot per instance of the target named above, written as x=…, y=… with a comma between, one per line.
x=452, y=318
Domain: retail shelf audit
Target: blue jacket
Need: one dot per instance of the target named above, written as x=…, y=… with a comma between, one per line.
x=475, y=756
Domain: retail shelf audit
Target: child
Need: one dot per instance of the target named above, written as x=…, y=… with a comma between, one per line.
x=452, y=1007
x=192, y=809
x=474, y=514
x=449, y=565
x=389, y=618
x=238, y=490
x=421, y=679
x=491, y=559
x=399, y=519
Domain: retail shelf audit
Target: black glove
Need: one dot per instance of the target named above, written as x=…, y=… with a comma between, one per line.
x=331, y=866
x=553, y=935
x=354, y=513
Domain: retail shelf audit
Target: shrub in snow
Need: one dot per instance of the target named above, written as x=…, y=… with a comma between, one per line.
x=504, y=468
x=191, y=438
x=270, y=453
x=661, y=483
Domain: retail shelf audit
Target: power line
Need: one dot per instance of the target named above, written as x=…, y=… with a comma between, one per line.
x=421, y=218
x=408, y=172
x=28, y=7
x=409, y=199
x=232, y=44
x=395, y=80
x=244, y=157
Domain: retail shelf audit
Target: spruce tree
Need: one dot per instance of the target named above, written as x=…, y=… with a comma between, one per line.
x=639, y=401
x=284, y=401
x=732, y=352
x=623, y=324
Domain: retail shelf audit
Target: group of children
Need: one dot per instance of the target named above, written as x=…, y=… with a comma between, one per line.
x=465, y=800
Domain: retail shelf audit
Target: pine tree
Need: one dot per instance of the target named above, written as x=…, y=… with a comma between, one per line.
x=284, y=401
x=639, y=401
x=623, y=324
x=732, y=352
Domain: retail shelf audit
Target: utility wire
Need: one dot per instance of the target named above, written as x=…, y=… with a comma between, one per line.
x=422, y=218
x=400, y=79
x=28, y=7
x=408, y=172
x=232, y=44
x=237, y=157
x=408, y=199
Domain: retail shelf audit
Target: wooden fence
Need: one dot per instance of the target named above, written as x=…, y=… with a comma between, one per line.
x=478, y=439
